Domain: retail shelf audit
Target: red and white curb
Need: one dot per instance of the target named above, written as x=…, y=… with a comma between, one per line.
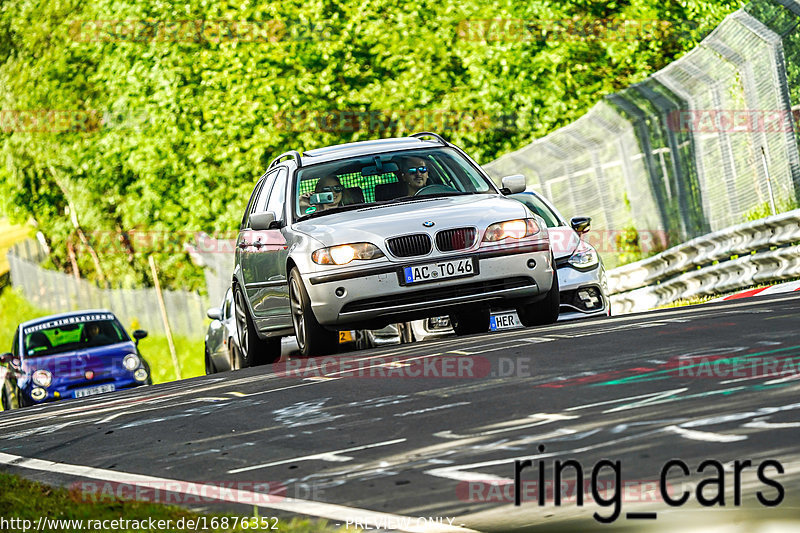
x=792, y=286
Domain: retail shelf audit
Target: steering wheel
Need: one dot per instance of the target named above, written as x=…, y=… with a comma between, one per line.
x=434, y=189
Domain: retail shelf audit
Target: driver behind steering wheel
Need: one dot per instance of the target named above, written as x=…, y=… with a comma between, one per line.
x=413, y=174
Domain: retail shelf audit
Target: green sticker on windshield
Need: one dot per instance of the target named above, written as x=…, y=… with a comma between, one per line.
x=311, y=209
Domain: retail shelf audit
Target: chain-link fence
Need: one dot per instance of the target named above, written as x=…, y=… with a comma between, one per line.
x=58, y=292
x=706, y=143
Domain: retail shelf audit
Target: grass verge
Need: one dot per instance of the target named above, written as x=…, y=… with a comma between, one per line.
x=24, y=500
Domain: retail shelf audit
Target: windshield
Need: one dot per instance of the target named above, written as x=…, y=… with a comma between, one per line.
x=535, y=204
x=398, y=176
x=74, y=333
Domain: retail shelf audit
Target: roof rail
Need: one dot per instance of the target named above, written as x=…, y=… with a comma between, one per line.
x=291, y=153
x=436, y=136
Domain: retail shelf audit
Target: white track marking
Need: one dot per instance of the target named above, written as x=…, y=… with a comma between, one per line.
x=339, y=513
x=760, y=424
x=324, y=456
x=430, y=409
x=652, y=395
x=706, y=436
x=511, y=425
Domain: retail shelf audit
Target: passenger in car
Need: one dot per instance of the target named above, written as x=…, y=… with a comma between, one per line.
x=325, y=184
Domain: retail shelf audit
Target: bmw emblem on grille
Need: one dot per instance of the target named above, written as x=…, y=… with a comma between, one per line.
x=428, y=223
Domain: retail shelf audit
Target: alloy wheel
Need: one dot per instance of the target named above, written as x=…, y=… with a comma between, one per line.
x=241, y=323
x=298, y=319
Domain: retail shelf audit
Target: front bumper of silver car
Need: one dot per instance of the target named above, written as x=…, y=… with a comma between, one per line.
x=377, y=292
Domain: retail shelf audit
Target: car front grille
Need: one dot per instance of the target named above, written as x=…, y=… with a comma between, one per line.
x=455, y=239
x=410, y=245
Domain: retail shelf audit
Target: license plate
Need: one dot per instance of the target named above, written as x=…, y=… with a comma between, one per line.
x=504, y=320
x=438, y=271
x=90, y=391
x=346, y=336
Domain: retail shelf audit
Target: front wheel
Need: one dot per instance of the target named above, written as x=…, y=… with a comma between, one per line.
x=312, y=338
x=544, y=311
x=469, y=322
x=406, y=332
x=210, y=368
x=234, y=355
x=254, y=350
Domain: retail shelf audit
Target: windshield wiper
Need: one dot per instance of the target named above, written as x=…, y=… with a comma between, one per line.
x=426, y=197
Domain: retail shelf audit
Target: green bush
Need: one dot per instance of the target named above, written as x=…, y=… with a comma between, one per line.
x=167, y=131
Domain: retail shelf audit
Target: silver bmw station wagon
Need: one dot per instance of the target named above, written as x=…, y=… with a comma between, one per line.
x=361, y=235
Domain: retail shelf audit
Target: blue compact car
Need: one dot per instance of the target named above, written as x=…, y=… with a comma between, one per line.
x=71, y=355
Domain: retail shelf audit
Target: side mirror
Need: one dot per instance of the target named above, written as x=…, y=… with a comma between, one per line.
x=139, y=334
x=580, y=224
x=262, y=221
x=215, y=313
x=513, y=184
x=6, y=358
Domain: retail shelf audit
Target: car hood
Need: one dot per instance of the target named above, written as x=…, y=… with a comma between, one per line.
x=102, y=359
x=376, y=223
x=563, y=240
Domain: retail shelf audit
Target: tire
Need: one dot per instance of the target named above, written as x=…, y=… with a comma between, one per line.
x=255, y=351
x=470, y=321
x=312, y=338
x=544, y=311
x=210, y=368
x=406, y=332
x=234, y=355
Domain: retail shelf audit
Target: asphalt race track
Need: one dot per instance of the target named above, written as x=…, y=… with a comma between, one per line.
x=417, y=434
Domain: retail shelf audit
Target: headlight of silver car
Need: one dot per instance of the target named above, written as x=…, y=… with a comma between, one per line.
x=43, y=378
x=344, y=253
x=511, y=229
x=130, y=362
x=585, y=256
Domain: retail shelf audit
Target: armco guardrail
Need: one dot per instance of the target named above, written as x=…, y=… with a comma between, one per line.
x=756, y=252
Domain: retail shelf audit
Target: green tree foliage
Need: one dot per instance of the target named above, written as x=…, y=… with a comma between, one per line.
x=173, y=121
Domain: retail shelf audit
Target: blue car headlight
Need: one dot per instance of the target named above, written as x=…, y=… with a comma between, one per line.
x=43, y=378
x=130, y=362
x=585, y=256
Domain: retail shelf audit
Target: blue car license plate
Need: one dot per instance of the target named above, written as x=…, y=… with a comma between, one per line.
x=90, y=391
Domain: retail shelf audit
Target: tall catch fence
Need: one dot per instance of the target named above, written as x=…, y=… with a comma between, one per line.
x=58, y=292
x=706, y=143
